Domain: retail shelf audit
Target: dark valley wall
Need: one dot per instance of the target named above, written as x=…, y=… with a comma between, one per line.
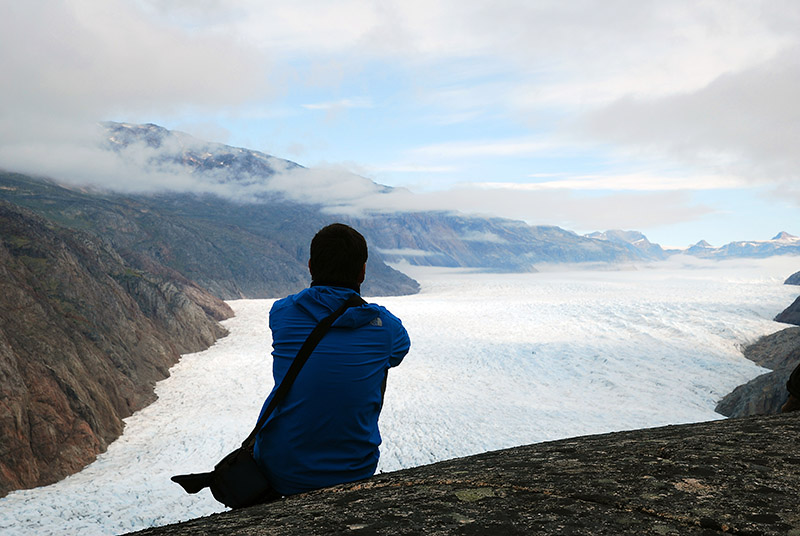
x=779, y=352
x=764, y=395
x=790, y=315
x=84, y=336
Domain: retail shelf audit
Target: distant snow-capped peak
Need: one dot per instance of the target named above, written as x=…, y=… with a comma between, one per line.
x=783, y=236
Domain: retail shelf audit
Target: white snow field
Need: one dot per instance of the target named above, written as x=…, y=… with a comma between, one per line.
x=496, y=361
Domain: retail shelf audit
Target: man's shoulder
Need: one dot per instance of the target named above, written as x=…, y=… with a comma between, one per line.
x=285, y=310
x=385, y=319
x=385, y=314
x=282, y=303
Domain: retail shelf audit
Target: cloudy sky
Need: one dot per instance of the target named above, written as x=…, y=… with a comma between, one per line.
x=676, y=118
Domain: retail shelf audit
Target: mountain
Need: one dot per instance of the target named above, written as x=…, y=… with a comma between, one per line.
x=700, y=249
x=781, y=244
x=638, y=244
x=244, y=233
x=493, y=244
x=790, y=315
x=419, y=237
x=635, y=242
x=231, y=249
x=779, y=352
x=84, y=336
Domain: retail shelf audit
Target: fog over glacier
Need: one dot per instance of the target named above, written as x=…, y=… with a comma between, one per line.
x=496, y=361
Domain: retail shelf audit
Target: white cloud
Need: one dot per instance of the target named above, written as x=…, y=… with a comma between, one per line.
x=564, y=208
x=408, y=252
x=705, y=87
x=644, y=182
x=80, y=61
x=487, y=236
x=343, y=192
x=340, y=104
x=742, y=124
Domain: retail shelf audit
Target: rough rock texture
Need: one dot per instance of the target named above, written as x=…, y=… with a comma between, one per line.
x=779, y=352
x=83, y=339
x=765, y=394
x=793, y=279
x=790, y=315
x=738, y=476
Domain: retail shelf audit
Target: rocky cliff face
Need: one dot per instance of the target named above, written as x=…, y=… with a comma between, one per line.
x=779, y=352
x=790, y=315
x=83, y=338
x=764, y=395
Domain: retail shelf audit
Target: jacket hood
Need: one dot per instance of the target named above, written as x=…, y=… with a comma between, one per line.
x=320, y=301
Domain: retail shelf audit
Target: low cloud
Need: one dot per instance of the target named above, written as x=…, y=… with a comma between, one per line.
x=705, y=88
x=340, y=191
x=743, y=124
x=141, y=167
x=476, y=236
x=408, y=252
x=642, y=182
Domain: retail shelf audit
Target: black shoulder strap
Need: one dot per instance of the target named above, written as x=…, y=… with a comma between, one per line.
x=302, y=356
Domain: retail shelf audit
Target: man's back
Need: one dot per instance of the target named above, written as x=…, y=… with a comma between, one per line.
x=326, y=430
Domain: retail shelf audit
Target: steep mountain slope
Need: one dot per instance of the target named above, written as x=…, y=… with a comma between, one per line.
x=790, y=315
x=764, y=395
x=83, y=338
x=779, y=352
x=494, y=244
x=232, y=249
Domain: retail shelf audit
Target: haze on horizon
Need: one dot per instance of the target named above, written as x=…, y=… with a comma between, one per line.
x=676, y=119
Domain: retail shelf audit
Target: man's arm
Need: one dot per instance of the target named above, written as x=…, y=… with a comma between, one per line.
x=400, y=344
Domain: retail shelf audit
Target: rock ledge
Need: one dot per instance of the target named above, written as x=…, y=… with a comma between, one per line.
x=737, y=476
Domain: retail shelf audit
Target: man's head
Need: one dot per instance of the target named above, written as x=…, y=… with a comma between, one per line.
x=338, y=257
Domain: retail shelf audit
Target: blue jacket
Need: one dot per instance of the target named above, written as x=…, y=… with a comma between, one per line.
x=325, y=431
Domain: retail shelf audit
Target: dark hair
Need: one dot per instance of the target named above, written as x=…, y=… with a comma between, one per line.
x=338, y=254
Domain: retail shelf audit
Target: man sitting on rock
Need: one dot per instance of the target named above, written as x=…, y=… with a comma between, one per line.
x=325, y=431
x=793, y=386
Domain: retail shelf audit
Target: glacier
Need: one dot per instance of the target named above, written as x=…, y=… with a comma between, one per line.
x=497, y=360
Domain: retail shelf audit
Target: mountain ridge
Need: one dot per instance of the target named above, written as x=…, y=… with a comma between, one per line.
x=781, y=244
x=249, y=167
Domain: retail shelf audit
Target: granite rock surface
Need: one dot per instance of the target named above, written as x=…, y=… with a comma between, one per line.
x=735, y=476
